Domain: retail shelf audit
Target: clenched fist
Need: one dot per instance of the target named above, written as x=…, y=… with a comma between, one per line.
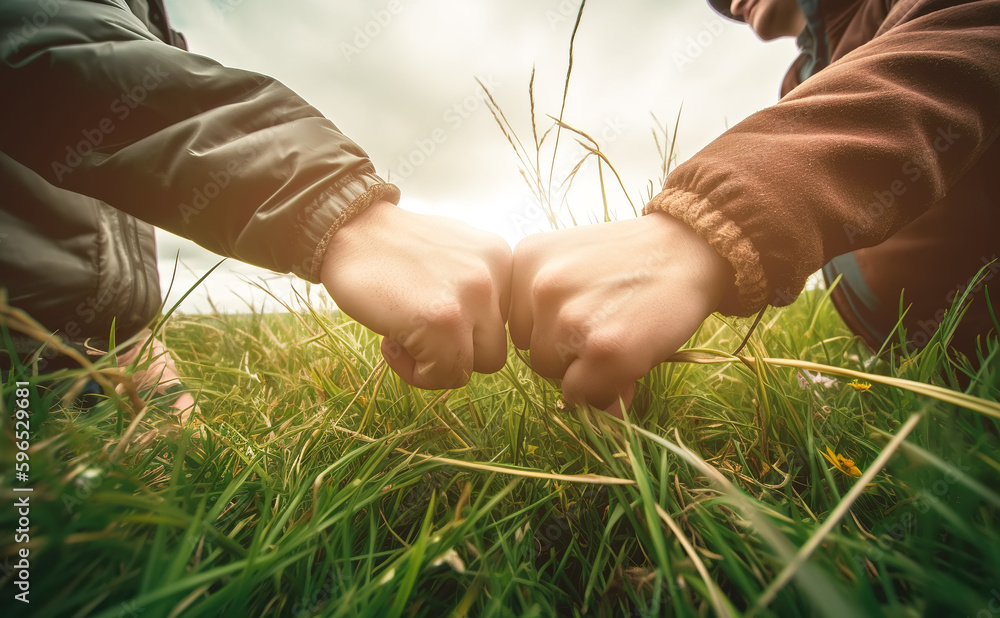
x=435, y=288
x=600, y=305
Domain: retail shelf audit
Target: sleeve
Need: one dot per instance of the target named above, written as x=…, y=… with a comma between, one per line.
x=230, y=159
x=849, y=157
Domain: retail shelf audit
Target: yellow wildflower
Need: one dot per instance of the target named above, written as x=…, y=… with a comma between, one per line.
x=841, y=463
x=859, y=386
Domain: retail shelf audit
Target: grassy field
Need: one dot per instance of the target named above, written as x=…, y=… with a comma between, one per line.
x=317, y=483
x=803, y=478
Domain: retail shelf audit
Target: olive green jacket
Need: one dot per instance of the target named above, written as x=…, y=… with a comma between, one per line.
x=108, y=120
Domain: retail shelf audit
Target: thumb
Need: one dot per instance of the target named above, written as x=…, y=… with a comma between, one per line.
x=624, y=400
x=600, y=386
x=398, y=359
x=431, y=374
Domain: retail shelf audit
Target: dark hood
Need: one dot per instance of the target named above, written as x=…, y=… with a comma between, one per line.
x=833, y=28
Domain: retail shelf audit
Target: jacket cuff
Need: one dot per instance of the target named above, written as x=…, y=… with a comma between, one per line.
x=749, y=291
x=331, y=210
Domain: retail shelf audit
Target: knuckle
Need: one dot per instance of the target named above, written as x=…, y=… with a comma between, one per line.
x=604, y=345
x=478, y=286
x=574, y=325
x=547, y=286
x=445, y=314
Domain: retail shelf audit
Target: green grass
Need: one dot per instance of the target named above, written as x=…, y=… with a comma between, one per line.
x=307, y=489
x=315, y=482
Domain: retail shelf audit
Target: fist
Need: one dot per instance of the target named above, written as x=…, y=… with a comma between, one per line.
x=598, y=306
x=435, y=288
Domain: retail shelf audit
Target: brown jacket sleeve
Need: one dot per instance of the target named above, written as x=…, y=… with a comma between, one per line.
x=230, y=159
x=850, y=156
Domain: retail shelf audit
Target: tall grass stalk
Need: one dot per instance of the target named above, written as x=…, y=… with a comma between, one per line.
x=316, y=482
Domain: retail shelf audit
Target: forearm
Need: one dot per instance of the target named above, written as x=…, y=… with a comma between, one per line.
x=849, y=157
x=230, y=159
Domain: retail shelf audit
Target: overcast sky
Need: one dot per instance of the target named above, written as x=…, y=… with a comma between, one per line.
x=395, y=75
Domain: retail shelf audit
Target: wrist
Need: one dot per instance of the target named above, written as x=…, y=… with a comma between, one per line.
x=360, y=233
x=711, y=272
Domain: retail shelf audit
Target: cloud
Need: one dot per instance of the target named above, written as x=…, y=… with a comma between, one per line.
x=387, y=72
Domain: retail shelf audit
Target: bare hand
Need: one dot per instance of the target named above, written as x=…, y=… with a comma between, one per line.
x=435, y=288
x=600, y=305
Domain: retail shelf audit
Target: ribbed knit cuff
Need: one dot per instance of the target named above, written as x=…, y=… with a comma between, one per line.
x=331, y=210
